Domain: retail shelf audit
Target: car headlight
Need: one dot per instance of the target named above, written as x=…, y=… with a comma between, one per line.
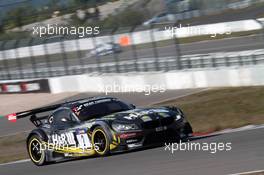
x=124, y=127
x=178, y=117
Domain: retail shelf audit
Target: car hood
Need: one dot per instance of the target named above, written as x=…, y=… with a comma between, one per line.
x=140, y=115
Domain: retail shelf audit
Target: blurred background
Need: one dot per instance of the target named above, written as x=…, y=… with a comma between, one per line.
x=134, y=36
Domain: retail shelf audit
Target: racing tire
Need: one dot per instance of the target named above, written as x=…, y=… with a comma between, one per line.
x=100, y=141
x=35, y=151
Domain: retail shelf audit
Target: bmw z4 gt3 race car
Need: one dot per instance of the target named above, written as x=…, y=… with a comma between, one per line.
x=99, y=126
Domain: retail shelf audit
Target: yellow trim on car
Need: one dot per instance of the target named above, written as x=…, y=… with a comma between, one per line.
x=107, y=141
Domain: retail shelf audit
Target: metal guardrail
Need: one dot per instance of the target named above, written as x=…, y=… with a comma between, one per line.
x=167, y=64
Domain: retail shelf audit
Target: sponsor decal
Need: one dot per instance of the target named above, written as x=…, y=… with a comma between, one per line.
x=73, y=141
x=132, y=116
x=146, y=118
x=127, y=135
x=80, y=107
x=68, y=139
x=144, y=114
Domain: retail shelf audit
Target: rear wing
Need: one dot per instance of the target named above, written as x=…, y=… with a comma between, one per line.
x=35, y=118
x=33, y=114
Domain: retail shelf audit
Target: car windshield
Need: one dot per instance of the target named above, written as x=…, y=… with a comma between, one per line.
x=102, y=109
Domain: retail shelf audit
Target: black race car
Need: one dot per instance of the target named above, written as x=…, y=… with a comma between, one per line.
x=99, y=126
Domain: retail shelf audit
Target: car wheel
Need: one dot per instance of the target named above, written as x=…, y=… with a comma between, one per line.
x=35, y=151
x=100, y=141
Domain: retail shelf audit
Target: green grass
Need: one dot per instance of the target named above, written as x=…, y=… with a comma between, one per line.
x=13, y=148
x=223, y=108
x=261, y=15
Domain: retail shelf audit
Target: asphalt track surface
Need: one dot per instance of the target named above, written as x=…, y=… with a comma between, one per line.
x=139, y=99
x=246, y=155
x=204, y=47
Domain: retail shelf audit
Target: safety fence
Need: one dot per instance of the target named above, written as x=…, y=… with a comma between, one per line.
x=118, y=51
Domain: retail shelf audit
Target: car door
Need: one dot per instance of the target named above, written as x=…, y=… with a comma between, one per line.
x=66, y=133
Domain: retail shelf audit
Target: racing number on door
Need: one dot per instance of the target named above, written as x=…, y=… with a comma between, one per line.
x=84, y=141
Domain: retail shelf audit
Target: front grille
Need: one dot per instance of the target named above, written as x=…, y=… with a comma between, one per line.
x=157, y=123
x=151, y=124
x=161, y=137
x=166, y=121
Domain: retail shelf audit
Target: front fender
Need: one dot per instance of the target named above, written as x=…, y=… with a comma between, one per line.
x=110, y=133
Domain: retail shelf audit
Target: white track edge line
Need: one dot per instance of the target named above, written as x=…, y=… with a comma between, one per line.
x=248, y=172
x=15, y=162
